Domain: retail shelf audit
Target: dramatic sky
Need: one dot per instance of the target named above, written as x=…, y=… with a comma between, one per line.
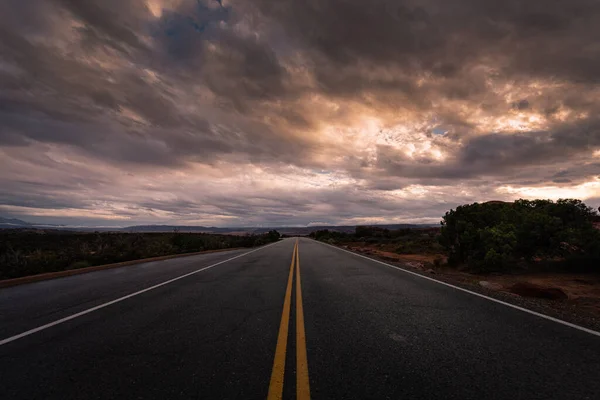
x=294, y=112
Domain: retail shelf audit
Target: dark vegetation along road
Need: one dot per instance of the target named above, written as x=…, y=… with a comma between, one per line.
x=281, y=321
x=25, y=252
x=534, y=235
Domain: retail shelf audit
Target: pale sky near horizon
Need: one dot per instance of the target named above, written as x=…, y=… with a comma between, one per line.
x=293, y=112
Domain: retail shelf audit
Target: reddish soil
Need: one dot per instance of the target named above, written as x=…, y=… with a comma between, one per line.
x=581, y=289
x=387, y=252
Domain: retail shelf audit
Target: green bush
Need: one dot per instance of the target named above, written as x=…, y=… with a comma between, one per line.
x=495, y=235
x=79, y=264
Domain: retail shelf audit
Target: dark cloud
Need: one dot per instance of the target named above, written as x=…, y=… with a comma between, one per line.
x=405, y=41
x=416, y=33
x=182, y=33
x=369, y=102
x=116, y=19
x=521, y=105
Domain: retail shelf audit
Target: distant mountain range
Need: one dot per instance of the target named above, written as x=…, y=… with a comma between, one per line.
x=284, y=230
x=13, y=223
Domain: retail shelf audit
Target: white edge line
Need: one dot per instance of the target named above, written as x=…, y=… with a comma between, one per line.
x=98, y=307
x=537, y=314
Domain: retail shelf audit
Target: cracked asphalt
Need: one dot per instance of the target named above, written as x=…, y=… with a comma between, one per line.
x=372, y=332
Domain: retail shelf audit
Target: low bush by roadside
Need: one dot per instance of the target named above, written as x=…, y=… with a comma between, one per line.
x=29, y=252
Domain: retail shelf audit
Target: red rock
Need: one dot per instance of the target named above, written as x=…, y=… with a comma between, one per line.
x=528, y=289
x=490, y=285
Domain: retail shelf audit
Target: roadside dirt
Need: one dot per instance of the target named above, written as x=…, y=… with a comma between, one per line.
x=573, y=297
x=386, y=252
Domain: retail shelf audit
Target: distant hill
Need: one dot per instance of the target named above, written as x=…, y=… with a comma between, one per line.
x=284, y=230
x=13, y=223
x=168, y=228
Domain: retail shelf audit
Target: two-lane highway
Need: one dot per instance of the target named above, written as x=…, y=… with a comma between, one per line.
x=297, y=319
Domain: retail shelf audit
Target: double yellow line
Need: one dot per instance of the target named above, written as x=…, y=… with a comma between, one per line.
x=276, y=383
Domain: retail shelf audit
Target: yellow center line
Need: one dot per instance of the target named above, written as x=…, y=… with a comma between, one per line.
x=302, y=384
x=276, y=383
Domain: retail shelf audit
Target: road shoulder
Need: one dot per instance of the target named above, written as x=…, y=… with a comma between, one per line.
x=563, y=311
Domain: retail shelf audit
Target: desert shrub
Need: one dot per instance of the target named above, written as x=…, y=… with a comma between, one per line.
x=79, y=264
x=25, y=252
x=495, y=235
x=438, y=262
x=325, y=234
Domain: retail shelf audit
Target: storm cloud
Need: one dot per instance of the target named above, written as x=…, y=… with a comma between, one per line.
x=254, y=112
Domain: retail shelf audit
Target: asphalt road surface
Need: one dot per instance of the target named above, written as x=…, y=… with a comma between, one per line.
x=279, y=323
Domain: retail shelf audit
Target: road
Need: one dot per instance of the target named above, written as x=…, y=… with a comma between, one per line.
x=238, y=325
